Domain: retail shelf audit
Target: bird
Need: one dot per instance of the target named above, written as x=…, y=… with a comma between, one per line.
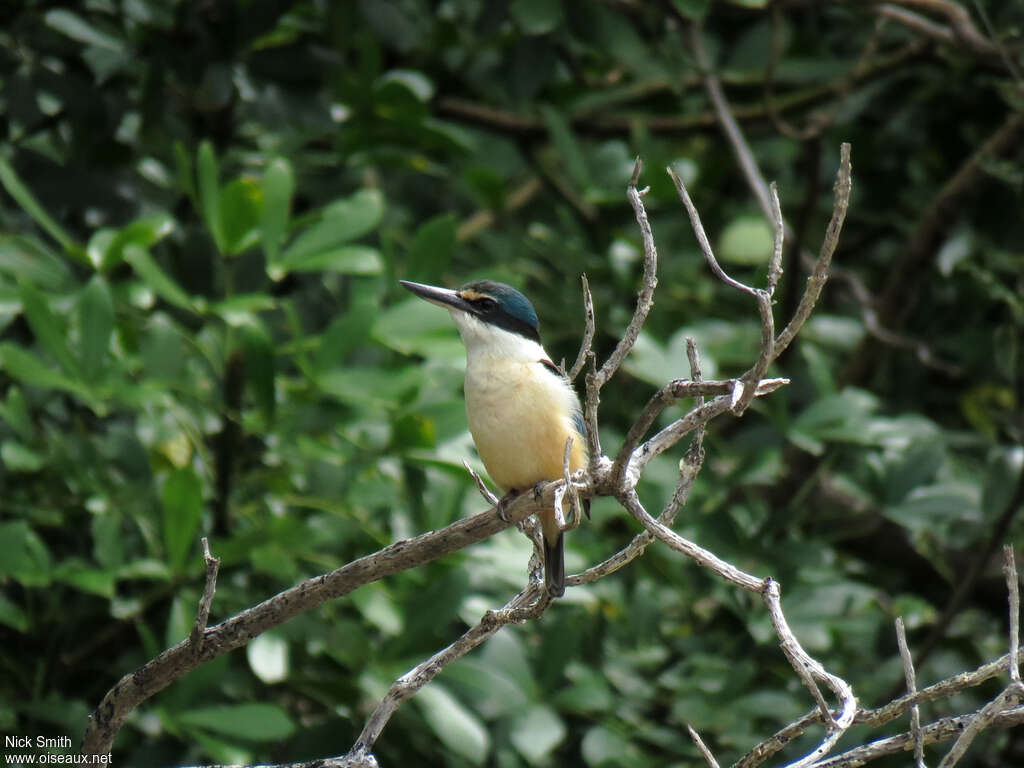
x=520, y=407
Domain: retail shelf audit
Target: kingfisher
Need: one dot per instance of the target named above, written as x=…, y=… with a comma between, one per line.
x=520, y=406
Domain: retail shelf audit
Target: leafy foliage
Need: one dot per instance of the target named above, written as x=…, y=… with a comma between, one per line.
x=207, y=208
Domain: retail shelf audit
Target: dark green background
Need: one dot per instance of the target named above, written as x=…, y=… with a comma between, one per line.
x=208, y=206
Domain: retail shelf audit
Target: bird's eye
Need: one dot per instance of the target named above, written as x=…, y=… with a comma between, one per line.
x=486, y=303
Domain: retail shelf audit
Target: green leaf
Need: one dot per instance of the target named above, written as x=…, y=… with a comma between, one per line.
x=537, y=17
x=340, y=222
x=379, y=609
x=278, y=188
x=12, y=616
x=566, y=146
x=268, y=657
x=143, y=232
x=28, y=258
x=458, y=728
x=840, y=418
x=240, y=208
x=209, y=194
x=186, y=177
x=17, y=458
x=432, y=248
x=346, y=332
x=242, y=308
x=417, y=327
x=182, y=499
x=76, y=573
x=14, y=411
x=96, y=324
x=48, y=330
x=692, y=9
x=255, y=722
x=602, y=746
x=348, y=259
x=413, y=81
x=536, y=732
x=80, y=30
x=161, y=283
x=23, y=196
x=259, y=367
x=29, y=369
x=746, y=240
x=23, y=556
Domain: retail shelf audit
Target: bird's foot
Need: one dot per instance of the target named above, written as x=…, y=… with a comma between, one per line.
x=503, y=503
x=538, y=490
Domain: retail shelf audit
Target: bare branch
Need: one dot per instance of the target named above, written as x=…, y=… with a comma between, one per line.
x=917, y=22
x=698, y=554
x=811, y=671
x=940, y=690
x=778, y=240
x=808, y=669
x=746, y=392
x=588, y=331
x=959, y=19
x=568, y=488
x=158, y=673
x=981, y=720
x=886, y=714
x=481, y=220
x=695, y=419
x=726, y=120
x=590, y=405
x=941, y=730
x=908, y=671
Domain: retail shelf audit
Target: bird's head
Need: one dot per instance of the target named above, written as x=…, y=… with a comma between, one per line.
x=490, y=316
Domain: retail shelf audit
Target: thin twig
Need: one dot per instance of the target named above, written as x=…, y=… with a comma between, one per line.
x=708, y=757
x=212, y=564
x=698, y=554
x=528, y=604
x=696, y=418
x=744, y=393
x=481, y=486
x=702, y=237
x=588, y=330
x=819, y=274
x=908, y=672
x=811, y=671
x=567, y=489
x=645, y=300
x=1013, y=590
x=591, y=402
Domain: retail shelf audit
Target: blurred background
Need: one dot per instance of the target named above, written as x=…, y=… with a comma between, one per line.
x=207, y=208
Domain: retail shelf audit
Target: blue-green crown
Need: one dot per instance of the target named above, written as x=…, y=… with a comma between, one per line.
x=510, y=309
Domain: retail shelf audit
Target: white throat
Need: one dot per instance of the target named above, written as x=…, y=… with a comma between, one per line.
x=483, y=341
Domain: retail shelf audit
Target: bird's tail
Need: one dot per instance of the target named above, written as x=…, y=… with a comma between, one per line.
x=554, y=565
